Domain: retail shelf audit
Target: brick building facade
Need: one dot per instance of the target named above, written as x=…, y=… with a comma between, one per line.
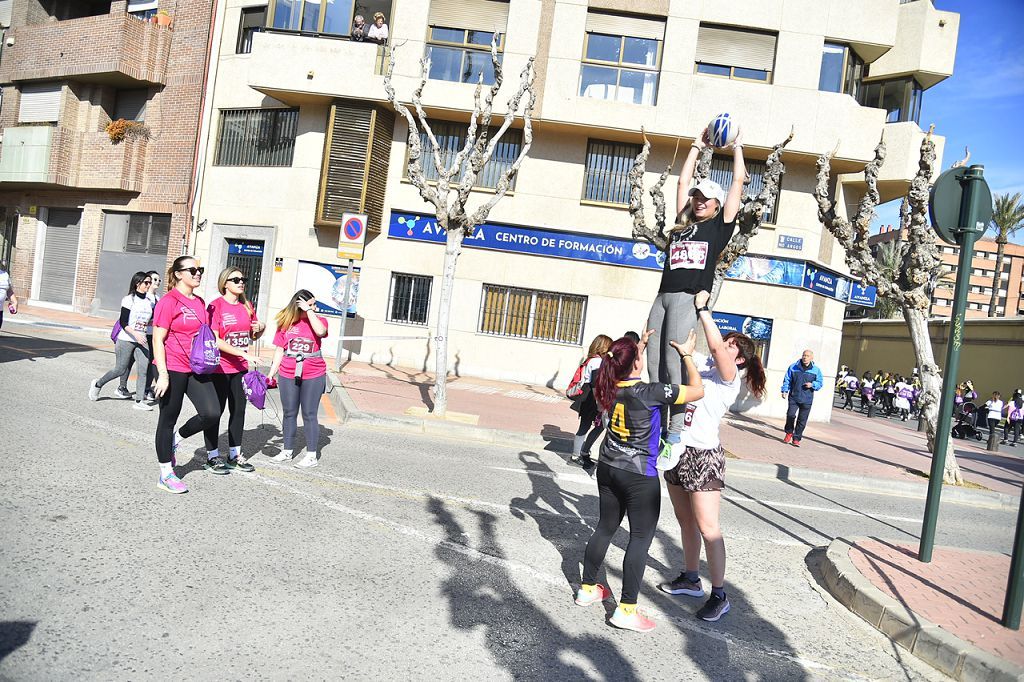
x=81, y=213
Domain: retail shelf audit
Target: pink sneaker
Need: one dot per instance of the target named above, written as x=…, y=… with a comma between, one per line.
x=586, y=597
x=634, y=621
x=172, y=484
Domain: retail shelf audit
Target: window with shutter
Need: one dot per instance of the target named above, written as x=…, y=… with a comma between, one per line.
x=5, y=13
x=40, y=103
x=532, y=314
x=606, y=171
x=256, y=137
x=621, y=58
x=460, y=36
x=735, y=53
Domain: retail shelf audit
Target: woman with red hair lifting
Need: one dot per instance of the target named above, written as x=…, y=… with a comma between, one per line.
x=627, y=475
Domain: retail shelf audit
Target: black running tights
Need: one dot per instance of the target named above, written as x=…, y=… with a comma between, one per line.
x=230, y=393
x=200, y=391
x=624, y=493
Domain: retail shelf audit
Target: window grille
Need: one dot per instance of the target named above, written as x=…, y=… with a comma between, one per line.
x=531, y=314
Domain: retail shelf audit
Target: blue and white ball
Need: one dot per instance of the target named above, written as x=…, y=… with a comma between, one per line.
x=722, y=130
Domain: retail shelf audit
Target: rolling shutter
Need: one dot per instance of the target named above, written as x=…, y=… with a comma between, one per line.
x=5, y=13
x=734, y=47
x=476, y=15
x=613, y=24
x=40, y=103
x=60, y=256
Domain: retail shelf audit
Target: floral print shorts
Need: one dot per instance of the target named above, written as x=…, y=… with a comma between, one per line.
x=699, y=470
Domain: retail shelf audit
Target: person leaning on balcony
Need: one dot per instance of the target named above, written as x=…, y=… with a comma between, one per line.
x=378, y=33
x=359, y=28
x=704, y=226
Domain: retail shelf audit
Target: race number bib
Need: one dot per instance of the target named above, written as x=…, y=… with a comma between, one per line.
x=688, y=415
x=688, y=255
x=301, y=345
x=237, y=339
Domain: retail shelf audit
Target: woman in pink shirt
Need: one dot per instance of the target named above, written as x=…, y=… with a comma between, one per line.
x=303, y=372
x=233, y=321
x=176, y=321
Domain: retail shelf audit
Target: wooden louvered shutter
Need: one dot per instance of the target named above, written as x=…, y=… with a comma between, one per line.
x=616, y=25
x=734, y=47
x=477, y=15
x=354, y=173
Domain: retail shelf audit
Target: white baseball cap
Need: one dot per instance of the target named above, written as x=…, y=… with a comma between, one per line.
x=710, y=189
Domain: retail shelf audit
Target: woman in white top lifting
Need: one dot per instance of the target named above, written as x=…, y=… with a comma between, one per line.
x=695, y=483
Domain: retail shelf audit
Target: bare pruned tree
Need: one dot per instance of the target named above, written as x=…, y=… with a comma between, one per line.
x=449, y=195
x=748, y=219
x=912, y=284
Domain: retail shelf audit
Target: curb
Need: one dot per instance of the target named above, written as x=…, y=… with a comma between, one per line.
x=36, y=322
x=938, y=648
x=348, y=412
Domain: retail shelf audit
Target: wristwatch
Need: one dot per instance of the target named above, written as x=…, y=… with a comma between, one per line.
x=703, y=308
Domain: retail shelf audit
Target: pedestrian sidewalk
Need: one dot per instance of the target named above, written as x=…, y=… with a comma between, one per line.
x=58, y=318
x=946, y=612
x=851, y=444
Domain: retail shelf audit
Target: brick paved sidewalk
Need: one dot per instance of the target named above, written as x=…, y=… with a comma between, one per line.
x=851, y=444
x=960, y=591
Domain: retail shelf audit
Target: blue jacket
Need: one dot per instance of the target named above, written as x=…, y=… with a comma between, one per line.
x=796, y=376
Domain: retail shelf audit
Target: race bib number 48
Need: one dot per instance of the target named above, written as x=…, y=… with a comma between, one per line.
x=688, y=255
x=300, y=345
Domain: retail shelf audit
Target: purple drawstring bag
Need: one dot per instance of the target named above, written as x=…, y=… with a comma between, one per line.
x=205, y=356
x=254, y=383
x=115, y=331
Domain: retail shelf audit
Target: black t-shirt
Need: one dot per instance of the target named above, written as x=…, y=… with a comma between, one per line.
x=690, y=260
x=634, y=425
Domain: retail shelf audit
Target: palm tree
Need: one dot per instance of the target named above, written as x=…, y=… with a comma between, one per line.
x=889, y=256
x=1007, y=218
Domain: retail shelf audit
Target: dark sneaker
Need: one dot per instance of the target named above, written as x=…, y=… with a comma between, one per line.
x=217, y=466
x=683, y=586
x=240, y=465
x=714, y=608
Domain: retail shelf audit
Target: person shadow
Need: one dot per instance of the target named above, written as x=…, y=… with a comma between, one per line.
x=14, y=634
x=519, y=635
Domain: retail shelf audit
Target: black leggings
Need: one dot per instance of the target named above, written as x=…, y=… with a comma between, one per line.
x=199, y=389
x=588, y=413
x=624, y=493
x=230, y=392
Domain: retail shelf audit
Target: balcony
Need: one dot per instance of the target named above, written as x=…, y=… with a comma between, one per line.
x=925, y=47
x=44, y=155
x=116, y=49
x=297, y=69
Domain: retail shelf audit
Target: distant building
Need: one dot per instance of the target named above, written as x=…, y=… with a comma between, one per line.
x=1010, y=301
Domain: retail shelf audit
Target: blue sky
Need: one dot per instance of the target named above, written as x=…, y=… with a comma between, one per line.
x=982, y=104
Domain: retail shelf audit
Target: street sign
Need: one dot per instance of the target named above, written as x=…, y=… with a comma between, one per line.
x=945, y=200
x=790, y=242
x=352, y=236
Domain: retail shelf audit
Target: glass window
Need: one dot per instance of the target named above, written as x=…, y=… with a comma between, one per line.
x=603, y=76
x=330, y=17
x=901, y=99
x=833, y=58
x=451, y=137
x=715, y=70
x=749, y=74
x=311, y=16
x=256, y=137
x=146, y=233
x=287, y=14
x=410, y=299
x=731, y=52
x=461, y=55
x=531, y=314
x=606, y=175
x=253, y=19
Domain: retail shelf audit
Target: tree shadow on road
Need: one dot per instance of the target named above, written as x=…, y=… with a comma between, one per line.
x=15, y=347
x=14, y=634
x=519, y=636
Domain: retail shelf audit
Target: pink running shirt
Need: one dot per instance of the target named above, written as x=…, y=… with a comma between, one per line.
x=181, y=317
x=232, y=322
x=300, y=338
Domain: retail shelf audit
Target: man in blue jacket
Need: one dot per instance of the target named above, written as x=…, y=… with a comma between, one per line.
x=803, y=378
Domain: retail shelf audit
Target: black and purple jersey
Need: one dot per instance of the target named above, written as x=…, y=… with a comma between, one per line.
x=634, y=425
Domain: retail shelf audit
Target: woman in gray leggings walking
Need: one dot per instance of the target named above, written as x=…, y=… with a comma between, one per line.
x=704, y=226
x=302, y=373
x=136, y=324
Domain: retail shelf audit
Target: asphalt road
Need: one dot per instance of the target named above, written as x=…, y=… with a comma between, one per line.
x=399, y=556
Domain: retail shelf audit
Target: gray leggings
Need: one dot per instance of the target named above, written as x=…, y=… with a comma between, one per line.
x=123, y=352
x=672, y=317
x=304, y=394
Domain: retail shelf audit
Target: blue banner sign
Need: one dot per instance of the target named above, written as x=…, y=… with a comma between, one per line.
x=534, y=241
x=863, y=295
x=245, y=248
x=757, y=328
x=766, y=270
x=822, y=281
x=326, y=282
x=792, y=243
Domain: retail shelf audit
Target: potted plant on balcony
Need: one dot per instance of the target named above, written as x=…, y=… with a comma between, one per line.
x=120, y=129
x=163, y=18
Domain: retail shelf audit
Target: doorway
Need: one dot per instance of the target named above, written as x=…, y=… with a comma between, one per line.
x=60, y=256
x=247, y=256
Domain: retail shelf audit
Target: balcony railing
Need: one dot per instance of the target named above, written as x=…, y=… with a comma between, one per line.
x=44, y=155
x=120, y=48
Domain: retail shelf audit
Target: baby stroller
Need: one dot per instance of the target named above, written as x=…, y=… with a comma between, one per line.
x=965, y=415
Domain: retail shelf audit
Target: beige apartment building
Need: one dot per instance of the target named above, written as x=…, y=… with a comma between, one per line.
x=297, y=132
x=1010, y=295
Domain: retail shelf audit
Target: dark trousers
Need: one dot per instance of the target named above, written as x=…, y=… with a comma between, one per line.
x=623, y=493
x=199, y=389
x=230, y=394
x=1012, y=428
x=849, y=399
x=797, y=413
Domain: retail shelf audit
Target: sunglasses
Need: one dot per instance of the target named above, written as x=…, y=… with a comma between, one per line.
x=237, y=280
x=146, y=281
x=195, y=272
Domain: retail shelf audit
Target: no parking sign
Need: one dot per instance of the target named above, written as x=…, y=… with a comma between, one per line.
x=352, y=236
